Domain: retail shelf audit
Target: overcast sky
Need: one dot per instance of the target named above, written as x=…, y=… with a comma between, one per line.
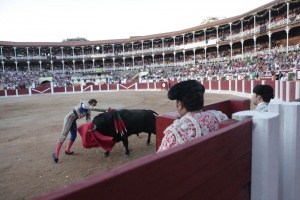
x=55, y=20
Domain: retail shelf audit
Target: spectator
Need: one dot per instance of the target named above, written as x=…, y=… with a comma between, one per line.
x=194, y=122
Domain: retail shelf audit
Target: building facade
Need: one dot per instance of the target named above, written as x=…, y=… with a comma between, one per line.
x=271, y=28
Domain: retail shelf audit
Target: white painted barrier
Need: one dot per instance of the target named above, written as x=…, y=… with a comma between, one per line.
x=275, y=166
x=265, y=154
x=289, y=144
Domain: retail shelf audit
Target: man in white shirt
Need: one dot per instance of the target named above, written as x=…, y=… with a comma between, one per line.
x=262, y=95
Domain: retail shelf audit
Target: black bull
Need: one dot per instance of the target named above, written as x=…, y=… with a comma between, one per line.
x=135, y=120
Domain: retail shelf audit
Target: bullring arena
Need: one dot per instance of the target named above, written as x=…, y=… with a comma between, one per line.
x=30, y=128
x=229, y=57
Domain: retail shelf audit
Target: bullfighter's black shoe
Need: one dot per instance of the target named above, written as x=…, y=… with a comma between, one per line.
x=69, y=153
x=54, y=158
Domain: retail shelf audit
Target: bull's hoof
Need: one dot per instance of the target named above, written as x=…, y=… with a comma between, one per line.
x=127, y=152
x=54, y=158
x=69, y=153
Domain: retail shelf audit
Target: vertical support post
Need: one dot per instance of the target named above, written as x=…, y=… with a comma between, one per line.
x=297, y=92
x=287, y=91
x=289, y=144
x=265, y=154
x=281, y=91
x=52, y=89
x=252, y=86
x=276, y=89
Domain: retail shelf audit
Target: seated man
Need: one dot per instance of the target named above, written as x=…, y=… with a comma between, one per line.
x=262, y=95
x=194, y=122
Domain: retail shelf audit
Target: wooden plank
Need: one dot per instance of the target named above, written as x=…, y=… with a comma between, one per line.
x=221, y=186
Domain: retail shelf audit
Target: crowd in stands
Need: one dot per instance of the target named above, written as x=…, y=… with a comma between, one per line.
x=259, y=66
x=262, y=65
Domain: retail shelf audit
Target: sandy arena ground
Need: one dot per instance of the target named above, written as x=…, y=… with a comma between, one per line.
x=31, y=125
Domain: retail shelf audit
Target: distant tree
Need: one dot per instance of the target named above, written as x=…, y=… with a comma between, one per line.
x=75, y=39
x=211, y=19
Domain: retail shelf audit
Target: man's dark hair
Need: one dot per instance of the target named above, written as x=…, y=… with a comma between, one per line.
x=193, y=101
x=190, y=93
x=265, y=91
x=92, y=101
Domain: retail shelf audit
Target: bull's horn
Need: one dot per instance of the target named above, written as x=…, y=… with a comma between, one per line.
x=94, y=128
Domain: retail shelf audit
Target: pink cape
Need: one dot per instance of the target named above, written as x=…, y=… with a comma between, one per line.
x=94, y=138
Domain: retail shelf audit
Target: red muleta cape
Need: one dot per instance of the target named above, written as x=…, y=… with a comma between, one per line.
x=94, y=138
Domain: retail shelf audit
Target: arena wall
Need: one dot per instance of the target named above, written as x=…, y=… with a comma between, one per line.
x=284, y=90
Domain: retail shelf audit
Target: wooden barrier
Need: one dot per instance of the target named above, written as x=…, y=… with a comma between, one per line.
x=284, y=90
x=59, y=89
x=240, y=86
x=232, y=85
x=215, y=166
x=224, y=85
x=11, y=92
x=228, y=107
x=248, y=89
x=214, y=85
